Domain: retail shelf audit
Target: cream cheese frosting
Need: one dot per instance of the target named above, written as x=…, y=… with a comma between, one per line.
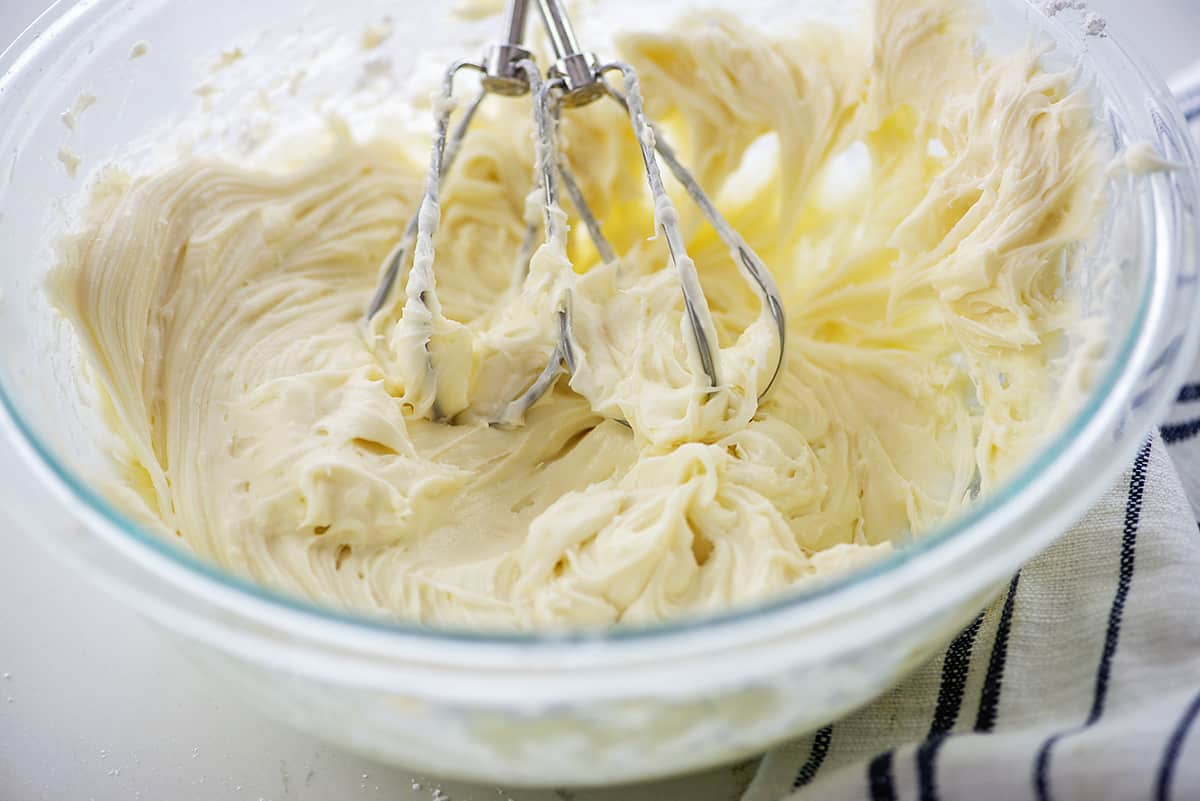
x=917, y=200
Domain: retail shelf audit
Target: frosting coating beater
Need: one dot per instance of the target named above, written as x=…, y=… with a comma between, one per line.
x=575, y=78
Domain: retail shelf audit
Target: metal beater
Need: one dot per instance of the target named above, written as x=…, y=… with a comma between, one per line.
x=576, y=78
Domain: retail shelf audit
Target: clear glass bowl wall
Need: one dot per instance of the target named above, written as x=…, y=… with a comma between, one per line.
x=592, y=708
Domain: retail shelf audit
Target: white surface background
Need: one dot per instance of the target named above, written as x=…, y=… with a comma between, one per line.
x=95, y=706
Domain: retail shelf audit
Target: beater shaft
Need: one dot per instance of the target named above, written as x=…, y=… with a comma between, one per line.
x=502, y=76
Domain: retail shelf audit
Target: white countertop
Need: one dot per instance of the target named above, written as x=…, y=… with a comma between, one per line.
x=95, y=706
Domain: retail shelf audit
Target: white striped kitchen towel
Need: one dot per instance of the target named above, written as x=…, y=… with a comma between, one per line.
x=1080, y=683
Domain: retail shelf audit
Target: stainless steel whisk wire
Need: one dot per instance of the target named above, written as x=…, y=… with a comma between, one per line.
x=576, y=78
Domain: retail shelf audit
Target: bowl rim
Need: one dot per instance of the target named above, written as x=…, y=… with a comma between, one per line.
x=1101, y=408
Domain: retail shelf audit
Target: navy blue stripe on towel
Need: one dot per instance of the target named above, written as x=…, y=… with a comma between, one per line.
x=880, y=780
x=927, y=754
x=954, y=678
x=1178, y=432
x=989, y=698
x=816, y=756
x=955, y=668
x=1133, y=516
x=1166, y=771
x=1189, y=393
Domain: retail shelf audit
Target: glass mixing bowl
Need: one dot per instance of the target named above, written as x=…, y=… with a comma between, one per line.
x=586, y=708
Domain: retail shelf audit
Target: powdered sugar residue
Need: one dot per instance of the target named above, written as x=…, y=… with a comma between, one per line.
x=1054, y=7
x=1093, y=24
